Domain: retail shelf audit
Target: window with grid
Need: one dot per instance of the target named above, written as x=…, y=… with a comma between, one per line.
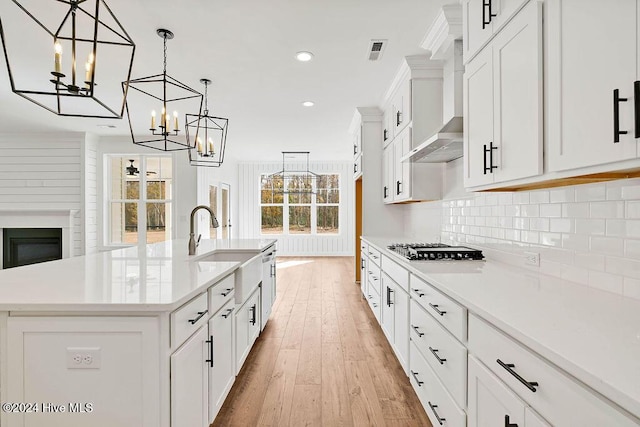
x=301, y=213
x=139, y=205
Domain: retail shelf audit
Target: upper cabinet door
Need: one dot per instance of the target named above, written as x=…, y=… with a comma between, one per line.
x=590, y=53
x=503, y=11
x=478, y=119
x=477, y=26
x=518, y=90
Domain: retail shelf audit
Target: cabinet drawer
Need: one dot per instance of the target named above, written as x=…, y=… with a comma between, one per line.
x=439, y=405
x=374, y=255
x=447, y=312
x=374, y=276
x=446, y=356
x=374, y=302
x=357, y=167
x=221, y=293
x=396, y=272
x=364, y=247
x=187, y=319
x=557, y=397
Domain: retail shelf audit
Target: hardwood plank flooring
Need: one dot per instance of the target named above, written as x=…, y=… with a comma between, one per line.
x=322, y=359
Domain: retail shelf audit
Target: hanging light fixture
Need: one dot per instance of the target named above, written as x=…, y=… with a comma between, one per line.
x=65, y=80
x=162, y=93
x=209, y=135
x=131, y=169
x=295, y=176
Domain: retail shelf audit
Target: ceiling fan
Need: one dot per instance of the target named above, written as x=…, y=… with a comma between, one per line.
x=134, y=171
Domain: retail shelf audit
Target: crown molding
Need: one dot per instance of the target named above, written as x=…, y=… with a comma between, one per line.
x=413, y=67
x=445, y=29
x=364, y=114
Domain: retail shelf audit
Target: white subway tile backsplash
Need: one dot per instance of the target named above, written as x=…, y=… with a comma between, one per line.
x=607, y=245
x=575, y=210
x=530, y=210
x=565, y=194
x=551, y=239
x=632, y=248
x=633, y=210
x=616, y=227
x=521, y=223
x=539, y=197
x=539, y=224
x=561, y=225
x=606, y=281
x=552, y=210
x=607, y=210
x=505, y=198
x=590, y=226
x=521, y=198
x=633, y=228
x=589, y=261
x=530, y=237
x=575, y=242
x=631, y=190
x=631, y=288
x=591, y=193
x=623, y=267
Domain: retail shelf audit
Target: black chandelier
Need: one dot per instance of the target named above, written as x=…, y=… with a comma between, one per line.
x=211, y=130
x=161, y=90
x=295, y=176
x=88, y=30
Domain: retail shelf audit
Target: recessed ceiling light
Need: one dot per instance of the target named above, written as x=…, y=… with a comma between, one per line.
x=304, y=56
x=308, y=103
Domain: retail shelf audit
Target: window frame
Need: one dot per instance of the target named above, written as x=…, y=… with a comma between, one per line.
x=314, y=205
x=141, y=201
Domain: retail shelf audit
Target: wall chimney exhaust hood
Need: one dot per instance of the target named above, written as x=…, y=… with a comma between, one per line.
x=443, y=39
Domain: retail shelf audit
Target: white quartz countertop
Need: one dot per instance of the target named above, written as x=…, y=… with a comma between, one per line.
x=157, y=277
x=592, y=334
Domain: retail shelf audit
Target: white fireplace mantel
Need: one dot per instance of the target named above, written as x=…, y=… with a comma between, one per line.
x=42, y=218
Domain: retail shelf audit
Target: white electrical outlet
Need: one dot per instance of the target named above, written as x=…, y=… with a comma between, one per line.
x=83, y=358
x=532, y=258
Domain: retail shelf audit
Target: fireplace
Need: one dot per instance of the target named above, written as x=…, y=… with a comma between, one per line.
x=24, y=246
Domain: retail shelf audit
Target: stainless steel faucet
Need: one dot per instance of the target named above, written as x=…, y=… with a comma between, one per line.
x=193, y=244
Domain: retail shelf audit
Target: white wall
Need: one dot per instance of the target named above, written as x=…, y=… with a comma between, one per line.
x=44, y=171
x=329, y=245
x=184, y=182
x=227, y=173
x=589, y=234
x=90, y=193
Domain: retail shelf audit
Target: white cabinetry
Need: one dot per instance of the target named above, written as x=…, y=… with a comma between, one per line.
x=247, y=327
x=412, y=113
x=581, y=86
x=189, y=385
x=357, y=153
x=268, y=287
x=503, y=117
x=222, y=370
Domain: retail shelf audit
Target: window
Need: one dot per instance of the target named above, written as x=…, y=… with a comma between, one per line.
x=300, y=213
x=140, y=194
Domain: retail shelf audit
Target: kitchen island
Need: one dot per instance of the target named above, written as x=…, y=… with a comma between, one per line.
x=142, y=336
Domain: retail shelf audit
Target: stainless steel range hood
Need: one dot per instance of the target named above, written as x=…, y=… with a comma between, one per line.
x=444, y=146
x=444, y=41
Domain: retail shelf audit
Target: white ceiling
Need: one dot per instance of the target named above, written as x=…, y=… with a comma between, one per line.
x=247, y=48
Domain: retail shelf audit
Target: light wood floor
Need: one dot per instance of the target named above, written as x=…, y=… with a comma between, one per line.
x=322, y=359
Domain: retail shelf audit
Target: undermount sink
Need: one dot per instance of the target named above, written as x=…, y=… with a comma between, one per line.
x=248, y=275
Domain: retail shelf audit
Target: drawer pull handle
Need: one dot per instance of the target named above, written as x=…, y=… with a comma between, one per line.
x=227, y=313
x=437, y=310
x=636, y=110
x=226, y=292
x=616, y=115
x=433, y=408
x=415, y=377
x=415, y=328
x=253, y=314
x=435, y=351
x=389, y=291
x=531, y=385
x=507, y=423
x=210, y=359
x=375, y=278
x=420, y=293
x=200, y=314
x=374, y=305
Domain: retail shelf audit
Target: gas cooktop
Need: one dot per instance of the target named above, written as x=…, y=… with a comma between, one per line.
x=435, y=252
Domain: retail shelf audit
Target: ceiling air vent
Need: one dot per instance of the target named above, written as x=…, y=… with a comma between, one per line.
x=376, y=48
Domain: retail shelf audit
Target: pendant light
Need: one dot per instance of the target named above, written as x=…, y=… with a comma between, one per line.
x=207, y=135
x=159, y=96
x=90, y=54
x=295, y=176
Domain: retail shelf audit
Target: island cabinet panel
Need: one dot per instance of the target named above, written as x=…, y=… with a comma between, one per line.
x=83, y=364
x=221, y=366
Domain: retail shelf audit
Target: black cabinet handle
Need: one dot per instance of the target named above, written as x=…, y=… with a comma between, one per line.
x=385, y=135
x=389, y=302
x=200, y=314
x=273, y=270
x=398, y=117
x=434, y=351
x=362, y=263
x=226, y=292
x=433, y=408
x=489, y=150
x=616, y=115
x=486, y=4
x=531, y=385
x=415, y=376
x=398, y=184
x=507, y=423
x=374, y=305
x=420, y=293
x=415, y=328
x=636, y=101
x=355, y=149
x=437, y=310
x=253, y=314
x=210, y=359
x=355, y=168
x=227, y=313
x=384, y=193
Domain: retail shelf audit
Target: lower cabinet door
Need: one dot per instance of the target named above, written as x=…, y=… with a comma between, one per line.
x=388, y=308
x=221, y=372
x=189, y=385
x=491, y=403
x=247, y=327
x=401, y=327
